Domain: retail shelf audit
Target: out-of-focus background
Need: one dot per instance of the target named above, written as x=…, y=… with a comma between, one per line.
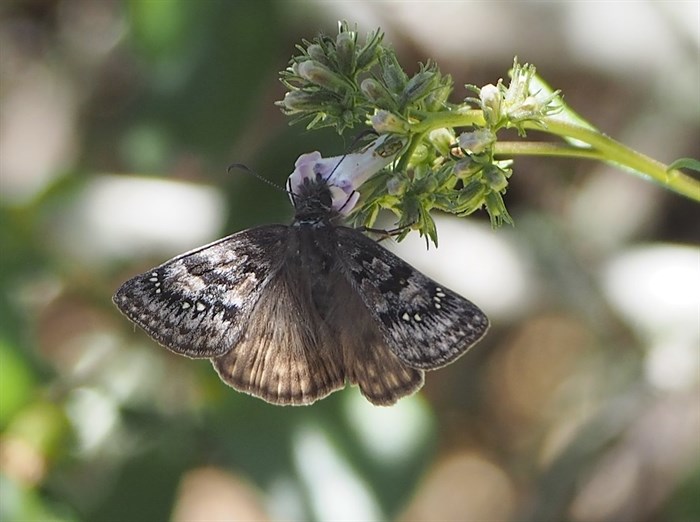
x=117, y=122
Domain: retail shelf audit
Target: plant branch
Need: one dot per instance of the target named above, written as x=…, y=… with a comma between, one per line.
x=602, y=148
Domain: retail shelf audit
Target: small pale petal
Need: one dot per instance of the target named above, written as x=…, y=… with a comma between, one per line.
x=344, y=174
x=344, y=203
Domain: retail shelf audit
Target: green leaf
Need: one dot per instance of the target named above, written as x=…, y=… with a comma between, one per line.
x=685, y=163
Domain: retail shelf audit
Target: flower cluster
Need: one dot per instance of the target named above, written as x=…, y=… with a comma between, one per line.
x=340, y=83
x=430, y=154
x=323, y=82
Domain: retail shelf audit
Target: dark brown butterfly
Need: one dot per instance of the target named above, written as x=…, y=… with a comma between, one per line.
x=291, y=313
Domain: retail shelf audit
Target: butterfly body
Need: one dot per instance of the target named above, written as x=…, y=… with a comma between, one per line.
x=291, y=313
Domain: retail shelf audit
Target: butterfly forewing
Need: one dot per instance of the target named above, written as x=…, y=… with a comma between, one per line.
x=198, y=304
x=425, y=324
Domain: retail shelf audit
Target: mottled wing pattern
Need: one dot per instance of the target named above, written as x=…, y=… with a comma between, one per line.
x=198, y=304
x=368, y=361
x=425, y=324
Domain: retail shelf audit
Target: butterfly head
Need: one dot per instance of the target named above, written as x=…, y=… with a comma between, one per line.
x=313, y=200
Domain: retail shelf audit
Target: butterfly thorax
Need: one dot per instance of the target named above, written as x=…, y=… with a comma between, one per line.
x=313, y=203
x=312, y=246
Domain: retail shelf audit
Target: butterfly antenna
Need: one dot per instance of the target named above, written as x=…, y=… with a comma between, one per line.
x=245, y=168
x=347, y=200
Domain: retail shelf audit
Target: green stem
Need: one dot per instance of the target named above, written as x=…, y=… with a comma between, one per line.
x=620, y=155
x=438, y=120
x=602, y=148
x=544, y=148
x=406, y=156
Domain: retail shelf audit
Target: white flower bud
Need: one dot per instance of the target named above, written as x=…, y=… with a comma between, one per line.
x=384, y=122
x=491, y=99
x=476, y=142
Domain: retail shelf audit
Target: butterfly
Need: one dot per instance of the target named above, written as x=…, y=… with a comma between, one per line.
x=292, y=313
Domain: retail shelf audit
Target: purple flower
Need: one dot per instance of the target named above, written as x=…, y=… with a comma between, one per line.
x=343, y=174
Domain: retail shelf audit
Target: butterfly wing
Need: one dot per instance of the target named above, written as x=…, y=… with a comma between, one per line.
x=288, y=354
x=425, y=324
x=310, y=332
x=368, y=361
x=199, y=304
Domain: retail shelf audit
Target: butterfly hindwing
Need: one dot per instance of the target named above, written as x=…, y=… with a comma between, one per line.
x=368, y=361
x=286, y=355
x=425, y=324
x=198, y=304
